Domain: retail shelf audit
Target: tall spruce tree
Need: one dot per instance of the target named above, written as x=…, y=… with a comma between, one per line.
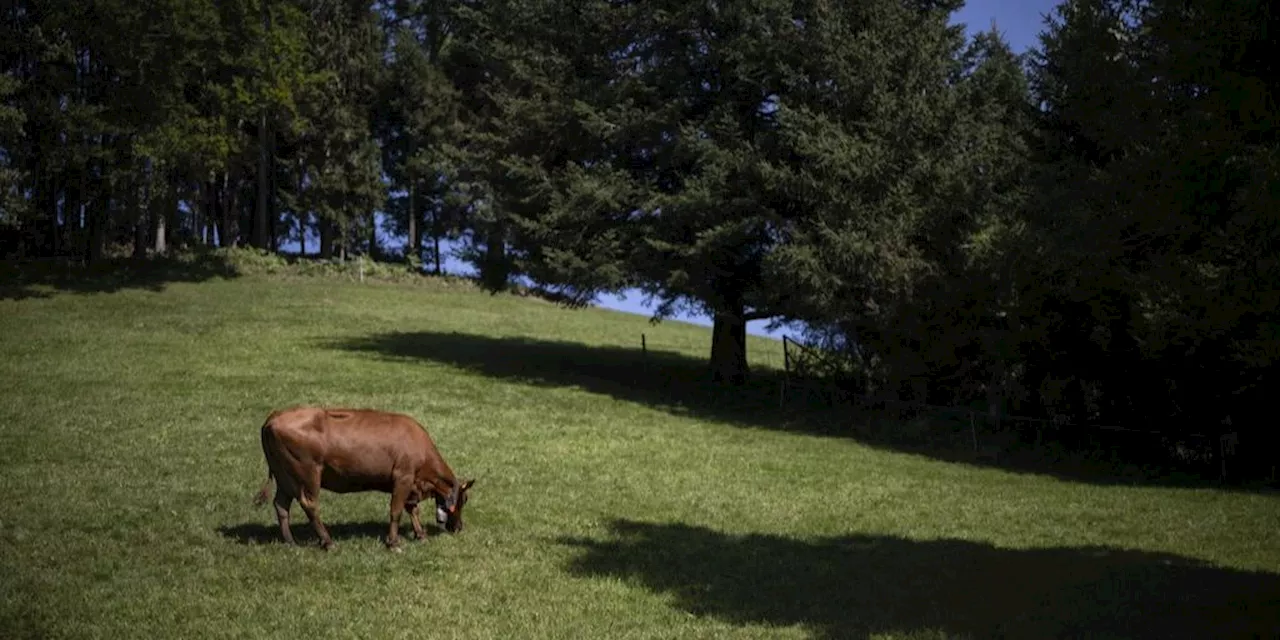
x=1160, y=116
x=779, y=148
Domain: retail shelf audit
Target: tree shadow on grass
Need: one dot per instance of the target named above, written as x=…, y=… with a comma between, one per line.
x=856, y=586
x=39, y=278
x=303, y=533
x=662, y=379
x=681, y=385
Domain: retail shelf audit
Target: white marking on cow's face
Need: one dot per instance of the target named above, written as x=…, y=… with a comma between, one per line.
x=441, y=516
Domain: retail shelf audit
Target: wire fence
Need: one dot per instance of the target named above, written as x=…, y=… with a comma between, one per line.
x=988, y=434
x=991, y=434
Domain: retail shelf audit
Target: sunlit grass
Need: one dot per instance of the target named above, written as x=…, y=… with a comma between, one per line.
x=609, y=505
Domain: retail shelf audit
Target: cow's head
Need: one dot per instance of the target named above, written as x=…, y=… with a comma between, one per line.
x=449, y=507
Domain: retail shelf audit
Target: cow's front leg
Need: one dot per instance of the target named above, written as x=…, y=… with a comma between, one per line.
x=418, y=531
x=399, y=494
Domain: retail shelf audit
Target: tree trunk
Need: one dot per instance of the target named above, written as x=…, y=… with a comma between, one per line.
x=160, y=229
x=300, y=213
x=161, y=217
x=217, y=213
x=273, y=219
x=729, y=348
x=414, y=250
x=231, y=210
x=99, y=213
x=273, y=202
x=227, y=201
x=436, y=231
x=46, y=203
x=494, y=269
x=259, y=234
x=260, y=228
x=71, y=222
x=439, y=267
x=172, y=221
x=199, y=212
x=139, y=222
x=373, y=236
x=55, y=232
x=326, y=238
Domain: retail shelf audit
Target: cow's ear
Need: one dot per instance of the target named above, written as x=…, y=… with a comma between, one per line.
x=467, y=485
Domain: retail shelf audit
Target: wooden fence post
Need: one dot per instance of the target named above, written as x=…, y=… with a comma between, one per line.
x=973, y=430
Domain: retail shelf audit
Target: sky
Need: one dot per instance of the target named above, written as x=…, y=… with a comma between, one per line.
x=1019, y=22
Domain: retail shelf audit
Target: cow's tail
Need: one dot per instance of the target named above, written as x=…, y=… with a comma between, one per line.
x=264, y=492
x=267, y=438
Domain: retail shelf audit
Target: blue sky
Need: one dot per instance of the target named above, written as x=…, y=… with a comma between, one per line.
x=1019, y=21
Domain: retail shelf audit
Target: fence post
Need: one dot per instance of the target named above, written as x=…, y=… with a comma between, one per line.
x=786, y=374
x=644, y=347
x=1222, y=454
x=973, y=430
x=1226, y=446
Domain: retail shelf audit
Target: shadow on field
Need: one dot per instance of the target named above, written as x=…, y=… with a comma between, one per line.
x=663, y=379
x=856, y=586
x=35, y=278
x=681, y=385
x=256, y=533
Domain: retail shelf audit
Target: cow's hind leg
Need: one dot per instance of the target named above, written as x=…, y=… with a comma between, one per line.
x=282, y=503
x=309, y=498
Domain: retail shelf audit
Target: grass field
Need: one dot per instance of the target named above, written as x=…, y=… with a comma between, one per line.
x=618, y=497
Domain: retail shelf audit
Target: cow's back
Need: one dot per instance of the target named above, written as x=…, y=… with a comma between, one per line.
x=362, y=443
x=352, y=427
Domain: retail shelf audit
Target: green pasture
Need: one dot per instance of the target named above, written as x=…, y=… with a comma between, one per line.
x=619, y=495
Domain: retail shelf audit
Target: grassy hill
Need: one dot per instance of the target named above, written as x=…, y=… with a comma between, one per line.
x=618, y=496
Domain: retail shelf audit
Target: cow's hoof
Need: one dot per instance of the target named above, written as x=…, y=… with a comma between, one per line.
x=329, y=546
x=395, y=548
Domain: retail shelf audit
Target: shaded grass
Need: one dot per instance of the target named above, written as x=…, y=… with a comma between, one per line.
x=680, y=384
x=858, y=585
x=661, y=378
x=129, y=453
x=21, y=279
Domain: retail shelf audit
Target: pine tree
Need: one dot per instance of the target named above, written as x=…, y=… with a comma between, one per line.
x=1160, y=118
x=789, y=152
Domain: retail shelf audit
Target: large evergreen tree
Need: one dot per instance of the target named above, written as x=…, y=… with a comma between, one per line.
x=1160, y=118
x=775, y=155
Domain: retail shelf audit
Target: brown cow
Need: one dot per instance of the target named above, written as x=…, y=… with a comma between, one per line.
x=349, y=450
